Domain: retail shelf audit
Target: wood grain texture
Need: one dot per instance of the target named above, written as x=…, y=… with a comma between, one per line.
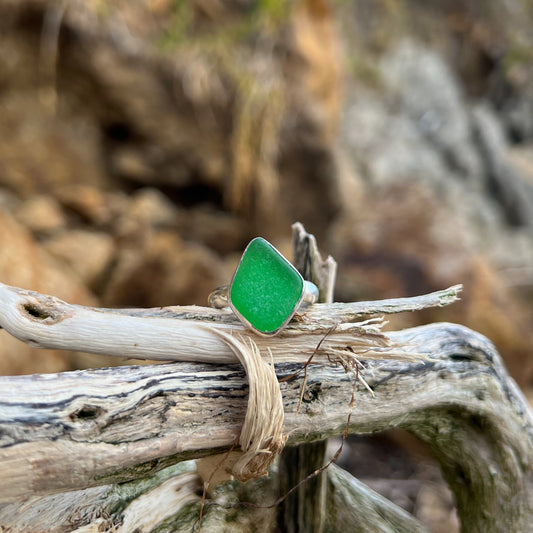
x=305, y=509
x=96, y=449
x=186, y=334
x=90, y=428
x=361, y=510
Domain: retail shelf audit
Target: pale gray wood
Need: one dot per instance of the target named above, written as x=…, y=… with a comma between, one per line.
x=80, y=429
x=305, y=509
x=325, y=313
x=359, y=509
x=34, y=317
x=166, y=334
x=173, y=495
x=308, y=261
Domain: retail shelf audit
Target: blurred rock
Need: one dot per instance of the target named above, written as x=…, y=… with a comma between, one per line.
x=219, y=230
x=147, y=208
x=438, y=202
x=427, y=92
x=162, y=270
x=499, y=311
x=521, y=158
x=24, y=264
x=40, y=152
x=506, y=186
x=435, y=508
x=87, y=253
x=42, y=215
x=91, y=205
x=9, y=201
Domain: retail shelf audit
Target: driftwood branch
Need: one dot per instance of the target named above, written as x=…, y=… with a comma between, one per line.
x=305, y=509
x=105, y=426
x=186, y=334
x=104, y=448
x=361, y=510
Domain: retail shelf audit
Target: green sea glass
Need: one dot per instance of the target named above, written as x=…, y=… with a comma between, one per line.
x=266, y=288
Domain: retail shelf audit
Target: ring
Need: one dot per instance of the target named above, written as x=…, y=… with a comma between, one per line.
x=266, y=289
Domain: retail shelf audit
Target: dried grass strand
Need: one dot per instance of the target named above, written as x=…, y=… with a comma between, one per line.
x=261, y=439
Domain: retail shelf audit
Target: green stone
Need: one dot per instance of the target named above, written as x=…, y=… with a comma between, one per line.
x=266, y=288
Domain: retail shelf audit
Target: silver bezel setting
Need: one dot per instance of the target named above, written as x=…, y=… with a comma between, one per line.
x=243, y=319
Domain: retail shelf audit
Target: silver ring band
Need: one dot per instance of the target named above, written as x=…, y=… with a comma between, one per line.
x=310, y=294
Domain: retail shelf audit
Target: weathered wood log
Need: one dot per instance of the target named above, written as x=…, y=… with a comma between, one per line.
x=304, y=509
x=171, y=500
x=91, y=428
x=359, y=509
x=106, y=449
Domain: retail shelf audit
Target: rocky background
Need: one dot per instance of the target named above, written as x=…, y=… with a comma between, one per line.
x=143, y=144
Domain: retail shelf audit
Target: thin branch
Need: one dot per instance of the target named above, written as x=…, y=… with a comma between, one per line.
x=176, y=335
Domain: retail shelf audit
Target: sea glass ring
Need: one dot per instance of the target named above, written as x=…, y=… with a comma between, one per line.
x=266, y=290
